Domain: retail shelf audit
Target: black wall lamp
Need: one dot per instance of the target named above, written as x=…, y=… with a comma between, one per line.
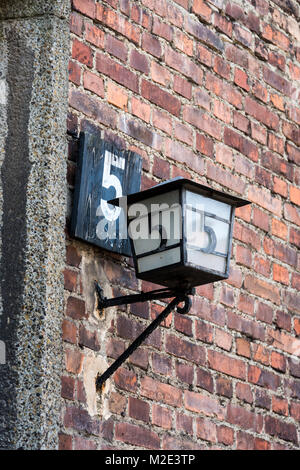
x=181, y=237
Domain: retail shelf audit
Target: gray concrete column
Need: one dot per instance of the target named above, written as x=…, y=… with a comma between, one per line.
x=34, y=53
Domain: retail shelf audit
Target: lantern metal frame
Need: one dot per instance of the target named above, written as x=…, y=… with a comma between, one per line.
x=187, y=274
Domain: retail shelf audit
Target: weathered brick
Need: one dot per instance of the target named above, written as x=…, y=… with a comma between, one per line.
x=138, y=409
x=203, y=404
x=161, y=417
x=185, y=349
x=137, y=436
x=226, y=364
x=161, y=98
x=120, y=24
x=161, y=392
x=281, y=429
x=86, y=7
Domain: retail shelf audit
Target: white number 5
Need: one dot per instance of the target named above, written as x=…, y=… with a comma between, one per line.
x=110, y=213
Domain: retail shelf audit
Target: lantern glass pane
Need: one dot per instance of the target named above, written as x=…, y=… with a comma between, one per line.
x=207, y=225
x=155, y=228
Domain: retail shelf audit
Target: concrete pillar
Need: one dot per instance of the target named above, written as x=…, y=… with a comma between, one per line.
x=34, y=53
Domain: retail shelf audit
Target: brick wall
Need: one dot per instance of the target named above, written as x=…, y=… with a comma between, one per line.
x=209, y=90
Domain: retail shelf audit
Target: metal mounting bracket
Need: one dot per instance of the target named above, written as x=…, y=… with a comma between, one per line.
x=142, y=297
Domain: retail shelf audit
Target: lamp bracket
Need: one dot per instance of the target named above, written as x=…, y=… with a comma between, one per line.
x=179, y=297
x=158, y=294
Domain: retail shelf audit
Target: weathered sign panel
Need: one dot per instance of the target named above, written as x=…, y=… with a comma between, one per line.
x=103, y=173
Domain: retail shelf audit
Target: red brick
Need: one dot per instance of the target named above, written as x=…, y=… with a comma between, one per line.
x=222, y=68
x=262, y=265
x=241, y=122
x=261, y=113
x=225, y=178
x=204, y=34
x=237, y=141
x=162, y=29
x=88, y=339
x=204, y=55
x=280, y=186
x=93, y=108
x=140, y=109
x=86, y=7
x=226, y=364
x=223, y=339
x=184, y=423
x=184, y=65
x=93, y=83
x=243, y=347
x=138, y=409
x=69, y=331
x=81, y=443
x=151, y=45
x=183, y=154
x=161, y=392
x=292, y=214
x=260, y=219
x=224, y=387
x=225, y=435
x=82, y=53
x=139, y=61
x=182, y=87
x=246, y=304
x=125, y=379
x=161, y=98
x=247, y=235
x=183, y=133
x=116, y=48
x=260, y=91
x=162, y=121
x=241, y=79
x=205, y=380
x=68, y=388
x=224, y=90
x=117, y=403
x=262, y=197
x=295, y=195
x=184, y=43
x=161, y=417
x=185, y=349
x=243, y=256
x=200, y=8
x=291, y=131
x=241, y=417
x=283, y=430
x=206, y=430
x=161, y=168
x=222, y=111
x=76, y=24
x=204, y=331
x=94, y=35
x=137, y=436
x=65, y=442
x=117, y=96
x=248, y=327
x=74, y=361
x=116, y=72
x=75, y=308
x=118, y=23
x=260, y=354
x=74, y=72
x=262, y=289
x=276, y=81
x=161, y=364
x=223, y=155
x=243, y=392
x=278, y=361
x=184, y=372
x=222, y=24
x=160, y=74
x=259, y=133
x=203, y=404
x=263, y=377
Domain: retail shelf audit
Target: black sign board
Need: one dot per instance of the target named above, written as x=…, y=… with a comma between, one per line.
x=103, y=173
